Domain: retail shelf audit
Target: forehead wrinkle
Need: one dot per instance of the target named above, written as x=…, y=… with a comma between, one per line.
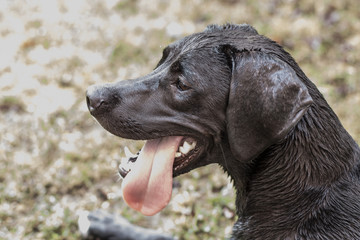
x=202, y=66
x=196, y=41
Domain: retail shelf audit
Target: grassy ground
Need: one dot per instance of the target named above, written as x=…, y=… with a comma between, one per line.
x=56, y=160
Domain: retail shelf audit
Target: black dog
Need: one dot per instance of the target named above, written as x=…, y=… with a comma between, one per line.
x=231, y=96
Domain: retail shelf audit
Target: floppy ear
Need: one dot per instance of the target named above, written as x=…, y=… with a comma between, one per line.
x=266, y=100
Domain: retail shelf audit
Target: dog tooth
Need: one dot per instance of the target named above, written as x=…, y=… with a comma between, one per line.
x=177, y=154
x=187, y=145
x=123, y=160
x=123, y=168
x=191, y=146
x=184, y=150
x=128, y=153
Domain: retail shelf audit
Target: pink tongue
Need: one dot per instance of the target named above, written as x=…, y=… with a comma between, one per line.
x=147, y=187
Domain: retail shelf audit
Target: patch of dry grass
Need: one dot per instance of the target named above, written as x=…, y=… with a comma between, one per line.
x=56, y=160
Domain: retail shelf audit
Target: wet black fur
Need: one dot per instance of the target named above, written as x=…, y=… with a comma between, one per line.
x=300, y=183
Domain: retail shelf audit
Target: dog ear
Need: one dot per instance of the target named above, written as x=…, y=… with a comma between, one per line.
x=266, y=100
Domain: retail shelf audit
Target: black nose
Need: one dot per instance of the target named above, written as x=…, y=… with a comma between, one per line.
x=95, y=98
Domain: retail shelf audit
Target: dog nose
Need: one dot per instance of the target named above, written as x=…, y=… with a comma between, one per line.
x=94, y=98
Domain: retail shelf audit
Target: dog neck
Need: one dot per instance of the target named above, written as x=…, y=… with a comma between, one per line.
x=294, y=173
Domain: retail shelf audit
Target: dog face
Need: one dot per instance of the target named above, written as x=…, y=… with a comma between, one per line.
x=205, y=85
x=221, y=88
x=176, y=99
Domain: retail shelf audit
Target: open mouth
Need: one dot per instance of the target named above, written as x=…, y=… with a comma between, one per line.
x=148, y=175
x=185, y=154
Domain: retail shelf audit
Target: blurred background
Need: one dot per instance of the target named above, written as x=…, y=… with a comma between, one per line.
x=56, y=161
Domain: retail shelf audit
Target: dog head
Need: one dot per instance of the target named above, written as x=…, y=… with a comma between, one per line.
x=227, y=85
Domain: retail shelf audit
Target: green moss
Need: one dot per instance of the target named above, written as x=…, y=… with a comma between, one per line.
x=35, y=41
x=124, y=54
x=12, y=103
x=74, y=62
x=44, y=80
x=127, y=7
x=34, y=24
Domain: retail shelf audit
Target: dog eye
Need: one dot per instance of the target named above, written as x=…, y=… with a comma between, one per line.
x=181, y=86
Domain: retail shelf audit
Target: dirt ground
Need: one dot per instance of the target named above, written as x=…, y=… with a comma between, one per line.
x=56, y=161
